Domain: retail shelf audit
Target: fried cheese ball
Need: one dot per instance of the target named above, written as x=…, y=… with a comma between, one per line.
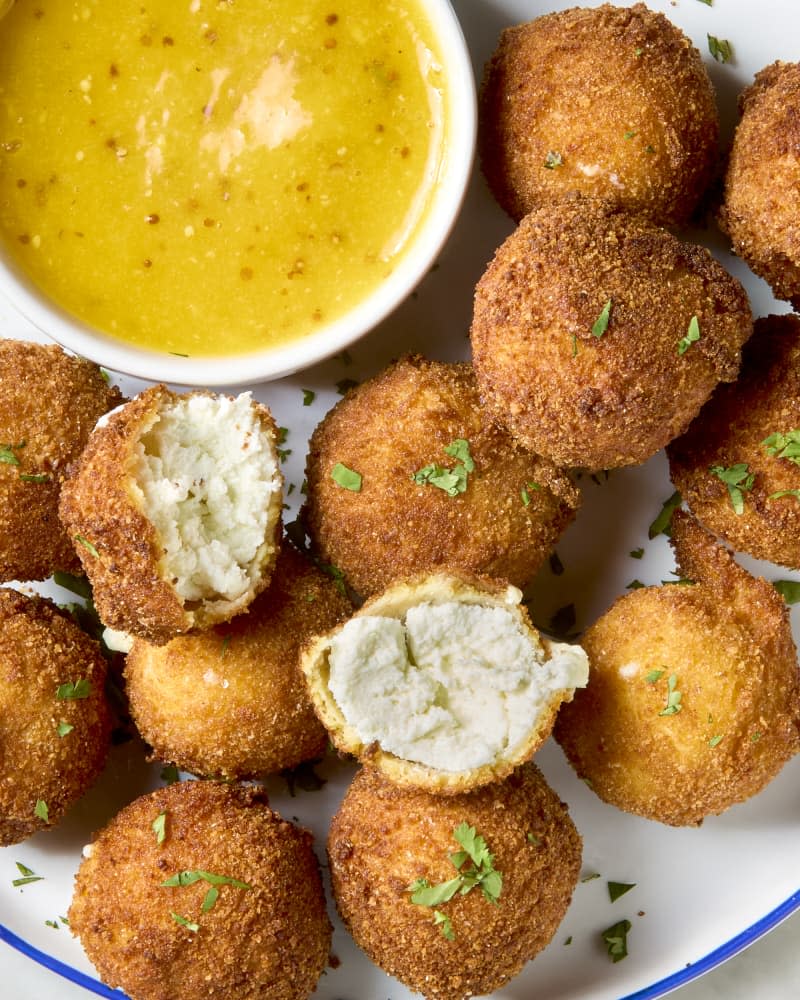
x=761, y=208
x=384, y=840
x=597, y=336
x=49, y=404
x=231, y=701
x=738, y=465
x=441, y=682
x=441, y=484
x=693, y=698
x=144, y=909
x=175, y=510
x=55, y=723
x=613, y=102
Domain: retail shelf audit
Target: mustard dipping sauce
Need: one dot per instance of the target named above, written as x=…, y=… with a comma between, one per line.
x=215, y=177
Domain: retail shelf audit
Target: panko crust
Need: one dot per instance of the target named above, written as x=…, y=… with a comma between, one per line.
x=728, y=642
x=731, y=429
x=761, y=208
x=123, y=558
x=42, y=649
x=619, y=94
x=389, y=428
x=394, y=602
x=614, y=398
x=49, y=404
x=231, y=701
x=384, y=838
x=270, y=941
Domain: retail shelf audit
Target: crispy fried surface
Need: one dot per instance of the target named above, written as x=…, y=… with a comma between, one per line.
x=761, y=210
x=50, y=401
x=392, y=426
x=731, y=429
x=231, y=701
x=728, y=643
x=99, y=503
x=270, y=941
x=384, y=838
x=617, y=397
x=616, y=100
x=41, y=649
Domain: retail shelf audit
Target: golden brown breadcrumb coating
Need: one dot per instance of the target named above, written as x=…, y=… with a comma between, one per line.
x=693, y=699
x=761, y=209
x=613, y=102
x=578, y=328
x=231, y=701
x=49, y=404
x=119, y=546
x=730, y=432
x=384, y=838
x=514, y=508
x=55, y=723
x=270, y=940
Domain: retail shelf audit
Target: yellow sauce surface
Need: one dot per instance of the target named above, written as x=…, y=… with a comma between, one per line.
x=215, y=177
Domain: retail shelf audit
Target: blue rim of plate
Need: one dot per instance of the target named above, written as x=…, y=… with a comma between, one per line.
x=658, y=989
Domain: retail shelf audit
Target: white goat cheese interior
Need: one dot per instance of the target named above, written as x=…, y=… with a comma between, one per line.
x=207, y=472
x=454, y=686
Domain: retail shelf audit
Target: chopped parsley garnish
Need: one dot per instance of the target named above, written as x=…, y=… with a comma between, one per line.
x=590, y=876
x=715, y=740
x=283, y=453
x=344, y=385
x=28, y=876
x=563, y=620
x=441, y=919
x=210, y=898
x=739, y=479
x=601, y=323
x=223, y=649
x=190, y=925
x=707, y=2
x=784, y=445
x=617, y=889
x=553, y=160
x=532, y=838
x=308, y=397
x=629, y=135
x=78, y=585
x=692, y=336
x=87, y=545
x=63, y=728
x=720, y=48
x=480, y=872
x=673, y=705
x=789, y=590
x=653, y=676
x=452, y=481
x=170, y=774
x=51, y=923
x=335, y=574
x=636, y=553
x=525, y=493
x=7, y=456
x=190, y=876
x=661, y=524
x=70, y=691
x=616, y=940
x=634, y=585
x=41, y=811
x=39, y=477
x=348, y=479
x=784, y=493
x=159, y=826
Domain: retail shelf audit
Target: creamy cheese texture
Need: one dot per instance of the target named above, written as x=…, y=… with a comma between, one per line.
x=206, y=475
x=454, y=686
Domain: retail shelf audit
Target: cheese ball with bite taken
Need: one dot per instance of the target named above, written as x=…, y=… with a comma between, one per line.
x=510, y=853
x=434, y=482
x=441, y=682
x=693, y=701
x=597, y=336
x=738, y=465
x=55, y=722
x=175, y=511
x=614, y=102
x=761, y=207
x=49, y=404
x=200, y=889
x=231, y=701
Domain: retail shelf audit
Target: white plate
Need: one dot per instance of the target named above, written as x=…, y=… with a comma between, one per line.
x=701, y=895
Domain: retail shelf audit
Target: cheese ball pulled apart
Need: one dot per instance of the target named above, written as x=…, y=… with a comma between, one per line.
x=175, y=511
x=388, y=847
x=439, y=483
x=145, y=912
x=49, y=404
x=231, y=701
x=441, y=682
x=761, y=208
x=613, y=102
x=55, y=722
x=738, y=465
x=597, y=336
x=693, y=701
